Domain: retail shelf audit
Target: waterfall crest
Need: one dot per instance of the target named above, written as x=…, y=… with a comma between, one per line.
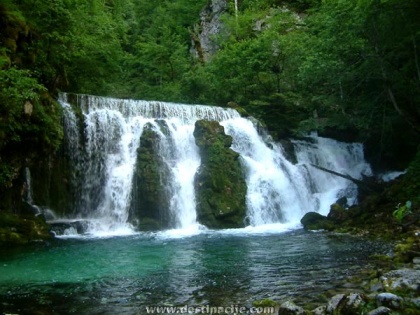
x=103, y=151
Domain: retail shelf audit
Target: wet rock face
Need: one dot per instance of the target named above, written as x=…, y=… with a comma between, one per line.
x=219, y=183
x=150, y=206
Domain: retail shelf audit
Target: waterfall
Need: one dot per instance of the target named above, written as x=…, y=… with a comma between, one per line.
x=28, y=187
x=345, y=158
x=103, y=139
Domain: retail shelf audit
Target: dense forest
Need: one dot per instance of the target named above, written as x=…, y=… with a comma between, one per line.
x=347, y=69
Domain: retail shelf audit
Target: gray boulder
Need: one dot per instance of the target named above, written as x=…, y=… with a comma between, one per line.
x=401, y=280
x=346, y=304
x=290, y=308
x=390, y=300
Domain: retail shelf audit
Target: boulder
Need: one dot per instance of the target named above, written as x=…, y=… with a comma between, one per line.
x=22, y=229
x=290, y=308
x=389, y=300
x=315, y=221
x=346, y=304
x=401, y=280
x=320, y=310
x=334, y=303
x=220, y=185
x=354, y=304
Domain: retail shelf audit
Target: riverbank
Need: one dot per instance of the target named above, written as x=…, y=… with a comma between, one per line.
x=392, y=286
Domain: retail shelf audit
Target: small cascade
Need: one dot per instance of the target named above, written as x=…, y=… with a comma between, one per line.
x=185, y=163
x=344, y=158
x=277, y=190
x=29, y=200
x=28, y=187
x=103, y=149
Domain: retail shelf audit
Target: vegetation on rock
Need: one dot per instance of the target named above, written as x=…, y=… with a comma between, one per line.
x=219, y=183
x=21, y=230
x=150, y=201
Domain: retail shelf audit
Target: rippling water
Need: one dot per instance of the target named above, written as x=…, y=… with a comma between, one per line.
x=123, y=275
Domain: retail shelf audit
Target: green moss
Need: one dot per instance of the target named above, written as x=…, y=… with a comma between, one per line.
x=219, y=183
x=18, y=230
x=404, y=250
x=264, y=303
x=316, y=221
x=150, y=203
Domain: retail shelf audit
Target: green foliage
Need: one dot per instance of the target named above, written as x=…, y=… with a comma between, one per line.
x=29, y=121
x=402, y=211
x=40, y=124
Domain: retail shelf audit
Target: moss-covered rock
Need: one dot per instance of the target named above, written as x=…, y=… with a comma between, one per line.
x=219, y=183
x=20, y=230
x=242, y=111
x=337, y=213
x=150, y=206
x=316, y=221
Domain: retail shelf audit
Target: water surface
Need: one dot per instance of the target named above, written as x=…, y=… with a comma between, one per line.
x=123, y=275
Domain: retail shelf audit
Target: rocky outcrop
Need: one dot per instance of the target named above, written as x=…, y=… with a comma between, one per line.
x=219, y=183
x=204, y=45
x=22, y=229
x=150, y=206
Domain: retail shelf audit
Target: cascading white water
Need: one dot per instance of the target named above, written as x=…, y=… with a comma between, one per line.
x=185, y=165
x=278, y=192
x=344, y=158
x=112, y=132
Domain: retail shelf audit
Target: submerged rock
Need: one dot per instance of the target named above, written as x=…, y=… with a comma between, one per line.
x=219, y=182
